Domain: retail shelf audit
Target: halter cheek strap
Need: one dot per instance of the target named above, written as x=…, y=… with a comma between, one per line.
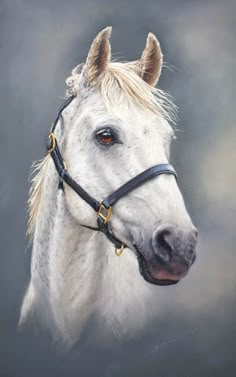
x=104, y=208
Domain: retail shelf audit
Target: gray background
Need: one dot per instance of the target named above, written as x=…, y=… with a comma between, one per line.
x=40, y=42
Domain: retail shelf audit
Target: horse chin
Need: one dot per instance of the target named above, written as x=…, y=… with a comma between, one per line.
x=161, y=277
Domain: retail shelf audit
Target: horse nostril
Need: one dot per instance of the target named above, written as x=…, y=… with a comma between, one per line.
x=171, y=245
x=162, y=242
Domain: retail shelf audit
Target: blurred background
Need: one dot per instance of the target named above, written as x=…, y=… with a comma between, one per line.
x=40, y=42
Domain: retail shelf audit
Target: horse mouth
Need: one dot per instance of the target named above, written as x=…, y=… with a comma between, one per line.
x=162, y=277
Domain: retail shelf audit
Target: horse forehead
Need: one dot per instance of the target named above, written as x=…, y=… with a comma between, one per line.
x=127, y=118
x=140, y=127
x=92, y=112
x=147, y=127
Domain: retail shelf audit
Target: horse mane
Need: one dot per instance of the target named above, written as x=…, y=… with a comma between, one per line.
x=120, y=85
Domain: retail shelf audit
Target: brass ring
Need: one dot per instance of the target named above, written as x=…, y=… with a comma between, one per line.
x=119, y=251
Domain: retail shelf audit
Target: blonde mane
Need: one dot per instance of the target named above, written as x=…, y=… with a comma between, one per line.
x=119, y=85
x=38, y=171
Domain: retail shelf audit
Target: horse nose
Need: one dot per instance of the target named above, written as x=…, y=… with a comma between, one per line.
x=169, y=241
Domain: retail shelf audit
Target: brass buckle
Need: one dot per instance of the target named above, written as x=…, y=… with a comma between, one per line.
x=104, y=213
x=119, y=251
x=52, y=138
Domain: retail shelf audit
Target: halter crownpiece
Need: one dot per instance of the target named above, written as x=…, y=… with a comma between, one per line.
x=104, y=208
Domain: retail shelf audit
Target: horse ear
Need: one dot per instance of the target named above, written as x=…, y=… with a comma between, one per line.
x=99, y=55
x=151, y=61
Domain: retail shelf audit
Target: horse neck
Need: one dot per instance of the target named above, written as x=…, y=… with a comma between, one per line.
x=64, y=266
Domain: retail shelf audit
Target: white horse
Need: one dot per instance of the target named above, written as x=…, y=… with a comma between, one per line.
x=116, y=126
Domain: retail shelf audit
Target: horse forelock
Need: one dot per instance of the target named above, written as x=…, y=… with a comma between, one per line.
x=121, y=85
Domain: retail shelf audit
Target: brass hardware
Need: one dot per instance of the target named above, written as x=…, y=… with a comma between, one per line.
x=64, y=164
x=104, y=213
x=52, y=137
x=119, y=251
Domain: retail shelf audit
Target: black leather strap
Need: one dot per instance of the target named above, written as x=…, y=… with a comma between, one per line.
x=138, y=181
x=106, y=229
x=65, y=104
x=65, y=176
x=110, y=200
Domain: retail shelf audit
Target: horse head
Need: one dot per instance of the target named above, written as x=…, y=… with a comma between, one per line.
x=117, y=126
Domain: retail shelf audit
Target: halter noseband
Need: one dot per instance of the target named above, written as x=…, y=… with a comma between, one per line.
x=104, y=208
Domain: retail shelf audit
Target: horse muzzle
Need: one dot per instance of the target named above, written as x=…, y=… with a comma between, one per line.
x=168, y=256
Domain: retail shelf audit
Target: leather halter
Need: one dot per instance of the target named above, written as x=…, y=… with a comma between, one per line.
x=104, y=208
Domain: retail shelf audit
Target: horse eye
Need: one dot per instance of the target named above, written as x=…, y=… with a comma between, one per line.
x=106, y=136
